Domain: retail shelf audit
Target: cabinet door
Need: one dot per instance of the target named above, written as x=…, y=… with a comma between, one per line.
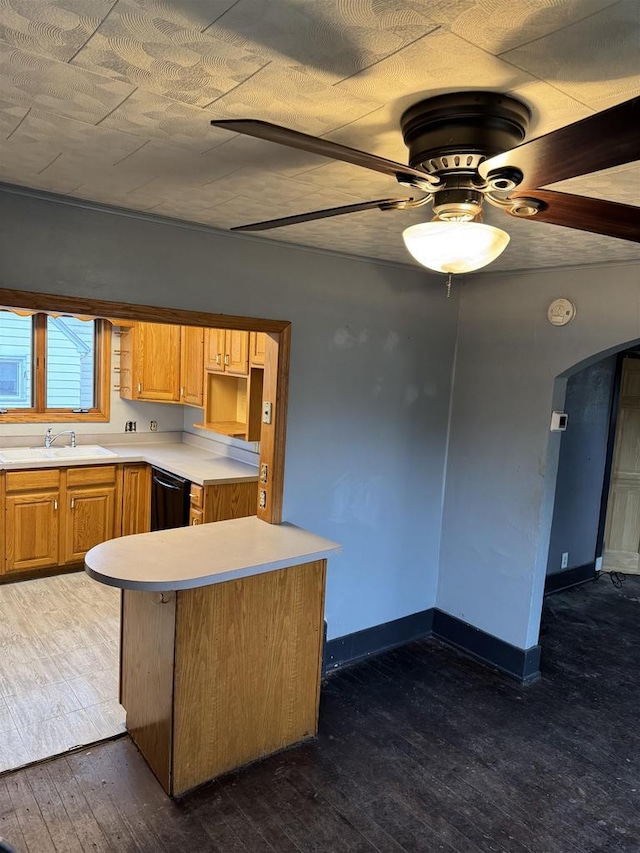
x=32, y=531
x=192, y=388
x=157, y=359
x=237, y=352
x=136, y=499
x=214, y=350
x=257, y=348
x=89, y=520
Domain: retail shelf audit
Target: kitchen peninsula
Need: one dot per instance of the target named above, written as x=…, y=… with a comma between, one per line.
x=221, y=642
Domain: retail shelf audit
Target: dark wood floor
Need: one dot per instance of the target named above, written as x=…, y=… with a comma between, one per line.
x=419, y=750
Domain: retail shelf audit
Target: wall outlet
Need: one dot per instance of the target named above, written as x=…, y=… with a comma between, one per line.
x=564, y=561
x=130, y=426
x=153, y=426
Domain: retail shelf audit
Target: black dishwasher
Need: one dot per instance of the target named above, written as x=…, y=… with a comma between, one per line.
x=169, y=500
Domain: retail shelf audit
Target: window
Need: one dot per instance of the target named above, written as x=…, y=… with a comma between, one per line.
x=12, y=374
x=53, y=368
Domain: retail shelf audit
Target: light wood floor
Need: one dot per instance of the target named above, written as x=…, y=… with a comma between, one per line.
x=58, y=667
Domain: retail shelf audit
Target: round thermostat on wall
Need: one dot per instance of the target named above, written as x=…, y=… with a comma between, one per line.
x=561, y=312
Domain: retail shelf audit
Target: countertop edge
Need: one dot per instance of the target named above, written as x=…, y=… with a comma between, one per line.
x=210, y=580
x=221, y=551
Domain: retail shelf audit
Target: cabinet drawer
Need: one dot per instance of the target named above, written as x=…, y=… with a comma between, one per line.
x=91, y=476
x=196, y=495
x=196, y=516
x=23, y=481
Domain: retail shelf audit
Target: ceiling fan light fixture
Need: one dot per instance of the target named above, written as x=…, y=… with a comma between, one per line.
x=455, y=247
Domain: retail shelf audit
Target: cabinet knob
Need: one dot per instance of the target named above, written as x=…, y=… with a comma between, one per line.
x=72, y=503
x=55, y=503
x=226, y=358
x=218, y=358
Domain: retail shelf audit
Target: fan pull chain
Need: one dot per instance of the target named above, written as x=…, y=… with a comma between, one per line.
x=449, y=283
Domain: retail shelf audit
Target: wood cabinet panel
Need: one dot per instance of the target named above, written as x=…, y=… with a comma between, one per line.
x=150, y=363
x=247, y=670
x=196, y=495
x=159, y=364
x=214, y=350
x=32, y=526
x=32, y=481
x=237, y=352
x=91, y=475
x=227, y=351
x=230, y=500
x=192, y=366
x=257, y=345
x=88, y=520
x=222, y=502
x=136, y=499
x=146, y=666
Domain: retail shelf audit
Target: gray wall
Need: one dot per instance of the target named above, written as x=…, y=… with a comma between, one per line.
x=583, y=451
x=502, y=458
x=372, y=354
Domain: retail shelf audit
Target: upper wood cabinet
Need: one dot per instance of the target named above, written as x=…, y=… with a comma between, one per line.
x=214, y=349
x=257, y=346
x=162, y=363
x=150, y=356
x=192, y=366
x=227, y=351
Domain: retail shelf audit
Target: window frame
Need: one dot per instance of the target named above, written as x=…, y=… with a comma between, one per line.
x=38, y=412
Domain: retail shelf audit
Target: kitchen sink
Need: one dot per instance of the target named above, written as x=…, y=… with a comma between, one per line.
x=35, y=454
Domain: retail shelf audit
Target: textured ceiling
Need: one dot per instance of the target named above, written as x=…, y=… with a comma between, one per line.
x=110, y=100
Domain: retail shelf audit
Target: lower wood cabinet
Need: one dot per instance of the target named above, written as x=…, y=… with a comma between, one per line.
x=90, y=512
x=54, y=516
x=32, y=521
x=215, y=677
x=221, y=502
x=136, y=498
x=51, y=517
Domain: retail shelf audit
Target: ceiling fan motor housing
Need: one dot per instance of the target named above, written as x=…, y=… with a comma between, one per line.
x=457, y=131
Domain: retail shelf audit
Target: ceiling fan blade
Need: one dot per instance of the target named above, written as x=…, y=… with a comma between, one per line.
x=586, y=214
x=381, y=204
x=600, y=141
x=325, y=148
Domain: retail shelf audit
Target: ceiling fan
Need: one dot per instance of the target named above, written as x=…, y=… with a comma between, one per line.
x=467, y=148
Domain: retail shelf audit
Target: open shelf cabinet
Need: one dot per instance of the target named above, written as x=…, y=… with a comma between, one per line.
x=233, y=404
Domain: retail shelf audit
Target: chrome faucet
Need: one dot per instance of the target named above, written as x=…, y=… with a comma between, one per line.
x=49, y=439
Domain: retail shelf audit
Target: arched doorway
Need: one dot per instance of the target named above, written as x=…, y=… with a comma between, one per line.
x=585, y=538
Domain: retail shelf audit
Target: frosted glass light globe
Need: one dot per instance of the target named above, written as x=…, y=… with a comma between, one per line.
x=455, y=247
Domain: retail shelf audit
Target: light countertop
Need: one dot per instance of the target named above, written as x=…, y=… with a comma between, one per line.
x=188, y=557
x=185, y=460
